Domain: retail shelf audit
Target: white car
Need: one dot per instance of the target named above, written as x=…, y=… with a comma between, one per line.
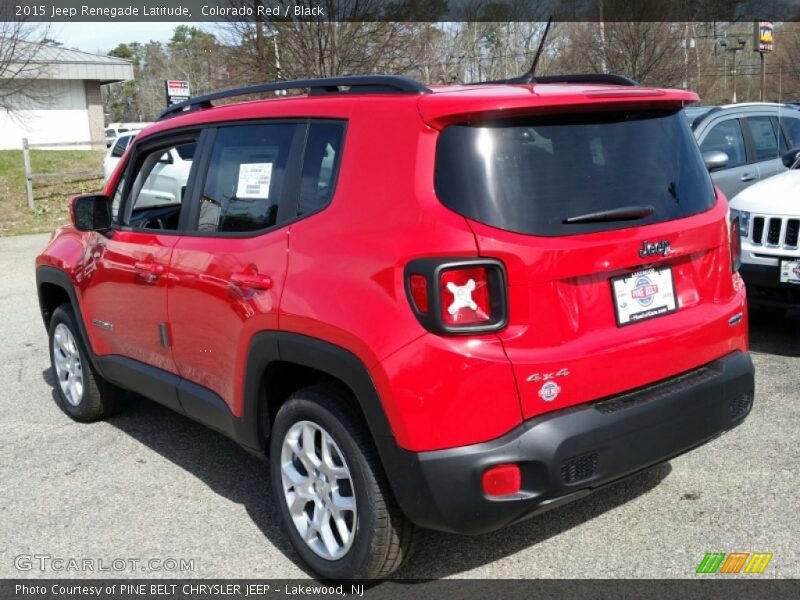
x=769, y=218
x=112, y=133
x=114, y=130
x=166, y=180
x=115, y=153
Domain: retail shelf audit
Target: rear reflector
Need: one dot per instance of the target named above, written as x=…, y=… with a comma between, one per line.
x=501, y=480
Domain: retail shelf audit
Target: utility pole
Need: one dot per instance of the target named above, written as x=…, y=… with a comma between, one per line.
x=763, y=42
x=734, y=49
x=603, y=65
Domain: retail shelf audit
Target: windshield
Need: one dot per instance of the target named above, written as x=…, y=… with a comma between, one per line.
x=569, y=174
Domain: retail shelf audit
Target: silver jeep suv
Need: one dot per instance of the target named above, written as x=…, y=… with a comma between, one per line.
x=753, y=136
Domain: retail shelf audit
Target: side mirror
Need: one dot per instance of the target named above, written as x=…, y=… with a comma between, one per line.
x=91, y=212
x=165, y=159
x=792, y=159
x=715, y=159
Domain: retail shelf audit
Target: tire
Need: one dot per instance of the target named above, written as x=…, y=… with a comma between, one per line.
x=80, y=392
x=380, y=536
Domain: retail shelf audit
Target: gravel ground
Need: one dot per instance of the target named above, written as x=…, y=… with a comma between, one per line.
x=149, y=484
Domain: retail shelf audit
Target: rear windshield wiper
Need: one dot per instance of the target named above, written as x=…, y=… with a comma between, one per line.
x=623, y=213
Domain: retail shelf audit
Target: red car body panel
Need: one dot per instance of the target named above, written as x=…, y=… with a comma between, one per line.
x=563, y=315
x=211, y=320
x=338, y=276
x=121, y=291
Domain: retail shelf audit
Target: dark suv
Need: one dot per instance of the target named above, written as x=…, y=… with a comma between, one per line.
x=450, y=307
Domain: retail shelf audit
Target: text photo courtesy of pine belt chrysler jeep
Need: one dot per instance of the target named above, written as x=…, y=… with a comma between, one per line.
x=450, y=307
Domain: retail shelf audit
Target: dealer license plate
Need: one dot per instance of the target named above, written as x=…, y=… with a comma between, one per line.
x=644, y=295
x=790, y=271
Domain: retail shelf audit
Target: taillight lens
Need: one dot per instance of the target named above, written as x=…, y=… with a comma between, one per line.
x=457, y=295
x=736, y=244
x=418, y=288
x=464, y=296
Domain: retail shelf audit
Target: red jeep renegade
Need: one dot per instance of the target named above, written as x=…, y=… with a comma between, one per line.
x=450, y=307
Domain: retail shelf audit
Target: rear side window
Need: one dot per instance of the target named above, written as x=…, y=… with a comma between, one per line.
x=246, y=177
x=320, y=166
x=791, y=127
x=726, y=137
x=533, y=175
x=765, y=142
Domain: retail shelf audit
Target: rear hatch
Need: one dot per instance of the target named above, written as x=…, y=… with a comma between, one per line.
x=615, y=244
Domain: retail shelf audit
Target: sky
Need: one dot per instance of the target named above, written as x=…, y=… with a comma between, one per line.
x=102, y=37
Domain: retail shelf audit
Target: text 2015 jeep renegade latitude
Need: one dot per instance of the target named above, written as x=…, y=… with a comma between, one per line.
x=450, y=307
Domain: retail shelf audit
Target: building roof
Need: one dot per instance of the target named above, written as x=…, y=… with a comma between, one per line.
x=57, y=62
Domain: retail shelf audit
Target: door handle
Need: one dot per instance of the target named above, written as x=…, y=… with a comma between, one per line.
x=252, y=281
x=747, y=177
x=149, y=271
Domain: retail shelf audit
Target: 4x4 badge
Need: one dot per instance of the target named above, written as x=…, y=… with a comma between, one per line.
x=547, y=376
x=653, y=248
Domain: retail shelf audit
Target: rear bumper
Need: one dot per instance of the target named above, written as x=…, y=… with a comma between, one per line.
x=567, y=454
x=764, y=287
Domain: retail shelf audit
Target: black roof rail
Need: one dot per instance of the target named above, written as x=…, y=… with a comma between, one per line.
x=588, y=78
x=355, y=84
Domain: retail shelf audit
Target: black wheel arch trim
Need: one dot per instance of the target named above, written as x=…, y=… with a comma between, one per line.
x=403, y=473
x=54, y=276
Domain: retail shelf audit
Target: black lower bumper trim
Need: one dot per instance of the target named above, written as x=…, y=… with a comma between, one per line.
x=566, y=454
x=764, y=287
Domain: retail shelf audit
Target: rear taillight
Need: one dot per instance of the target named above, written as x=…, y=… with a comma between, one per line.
x=418, y=289
x=736, y=244
x=458, y=296
x=464, y=296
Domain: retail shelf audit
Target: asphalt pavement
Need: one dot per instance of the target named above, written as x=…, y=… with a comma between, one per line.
x=150, y=485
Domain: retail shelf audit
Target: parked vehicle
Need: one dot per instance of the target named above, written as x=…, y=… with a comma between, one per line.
x=112, y=133
x=769, y=215
x=114, y=130
x=115, y=152
x=451, y=307
x=166, y=182
x=753, y=136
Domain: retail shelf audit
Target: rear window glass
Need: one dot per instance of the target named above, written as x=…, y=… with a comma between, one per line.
x=532, y=175
x=120, y=145
x=765, y=141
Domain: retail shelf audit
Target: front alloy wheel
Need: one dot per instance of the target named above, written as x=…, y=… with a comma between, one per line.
x=80, y=391
x=67, y=363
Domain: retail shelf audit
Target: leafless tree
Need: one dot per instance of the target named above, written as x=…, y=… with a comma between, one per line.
x=21, y=66
x=783, y=72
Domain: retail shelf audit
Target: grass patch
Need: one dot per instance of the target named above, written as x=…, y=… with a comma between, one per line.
x=50, y=196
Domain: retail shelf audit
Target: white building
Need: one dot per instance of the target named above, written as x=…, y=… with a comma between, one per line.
x=66, y=105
